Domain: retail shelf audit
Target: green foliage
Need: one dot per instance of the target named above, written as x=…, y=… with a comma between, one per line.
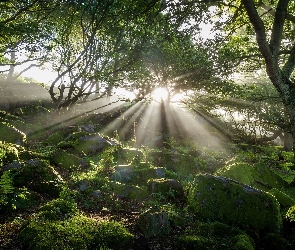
x=57, y=209
x=8, y=153
x=291, y=214
x=6, y=187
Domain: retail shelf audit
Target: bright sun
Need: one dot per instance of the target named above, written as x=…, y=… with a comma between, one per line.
x=160, y=94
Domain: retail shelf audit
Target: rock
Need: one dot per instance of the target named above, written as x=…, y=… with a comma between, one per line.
x=38, y=176
x=160, y=172
x=217, y=198
x=128, y=191
x=181, y=163
x=89, y=143
x=83, y=185
x=14, y=165
x=170, y=188
x=96, y=194
x=9, y=133
x=87, y=128
x=258, y=176
x=153, y=223
x=123, y=174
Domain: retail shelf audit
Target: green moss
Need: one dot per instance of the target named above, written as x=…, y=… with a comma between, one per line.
x=9, y=133
x=216, y=198
x=215, y=235
x=258, y=176
x=56, y=137
x=76, y=233
x=193, y=242
x=57, y=209
x=284, y=199
x=242, y=242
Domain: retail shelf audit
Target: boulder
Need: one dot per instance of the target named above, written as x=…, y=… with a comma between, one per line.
x=258, y=176
x=128, y=191
x=38, y=176
x=90, y=143
x=217, y=198
x=181, y=163
x=170, y=188
x=153, y=223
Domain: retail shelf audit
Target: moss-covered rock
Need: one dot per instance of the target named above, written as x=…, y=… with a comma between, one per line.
x=153, y=223
x=129, y=191
x=216, y=198
x=170, y=188
x=9, y=133
x=258, y=175
x=39, y=176
x=67, y=160
x=76, y=233
x=181, y=163
x=56, y=137
x=89, y=143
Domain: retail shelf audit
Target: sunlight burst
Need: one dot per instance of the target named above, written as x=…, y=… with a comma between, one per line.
x=160, y=94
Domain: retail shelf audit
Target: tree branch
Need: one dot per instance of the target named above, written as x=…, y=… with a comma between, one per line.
x=278, y=26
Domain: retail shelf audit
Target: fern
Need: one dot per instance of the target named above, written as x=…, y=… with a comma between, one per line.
x=6, y=186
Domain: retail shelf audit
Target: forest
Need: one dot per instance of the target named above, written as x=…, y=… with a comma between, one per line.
x=147, y=124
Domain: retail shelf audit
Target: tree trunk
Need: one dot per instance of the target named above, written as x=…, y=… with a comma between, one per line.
x=12, y=66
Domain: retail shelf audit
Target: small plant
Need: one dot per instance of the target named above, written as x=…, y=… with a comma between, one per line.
x=6, y=187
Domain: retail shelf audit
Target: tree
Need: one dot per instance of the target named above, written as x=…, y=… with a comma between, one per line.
x=26, y=30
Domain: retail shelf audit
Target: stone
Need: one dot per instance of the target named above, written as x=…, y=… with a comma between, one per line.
x=153, y=223
x=96, y=194
x=90, y=143
x=123, y=174
x=217, y=198
x=83, y=185
x=90, y=128
x=170, y=188
x=37, y=175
